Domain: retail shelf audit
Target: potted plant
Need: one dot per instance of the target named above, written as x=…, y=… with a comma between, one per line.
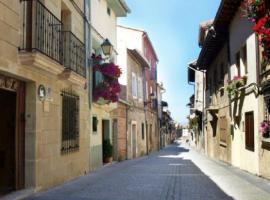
x=235, y=84
x=108, y=90
x=264, y=129
x=107, y=151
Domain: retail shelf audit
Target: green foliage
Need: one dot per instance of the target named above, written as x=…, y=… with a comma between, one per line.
x=235, y=84
x=193, y=122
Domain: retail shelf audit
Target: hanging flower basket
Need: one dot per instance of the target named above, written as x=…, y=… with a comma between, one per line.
x=235, y=84
x=258, y=13
x=108, y=90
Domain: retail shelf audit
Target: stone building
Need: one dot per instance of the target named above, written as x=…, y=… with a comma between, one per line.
x=196, y=79
x=142, y=120
x=235, y=106
x=43, y=94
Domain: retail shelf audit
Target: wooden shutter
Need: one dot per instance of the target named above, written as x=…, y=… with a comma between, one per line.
x=249, y=130
x=223, y=129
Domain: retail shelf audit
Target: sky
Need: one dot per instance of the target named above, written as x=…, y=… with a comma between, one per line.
x=173, y=28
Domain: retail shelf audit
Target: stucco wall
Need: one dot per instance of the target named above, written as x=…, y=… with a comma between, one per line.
x=241, y=157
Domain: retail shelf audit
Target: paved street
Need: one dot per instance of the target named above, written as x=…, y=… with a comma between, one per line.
x=163, y=175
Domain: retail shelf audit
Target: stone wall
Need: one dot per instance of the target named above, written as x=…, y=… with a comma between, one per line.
x=45, y=165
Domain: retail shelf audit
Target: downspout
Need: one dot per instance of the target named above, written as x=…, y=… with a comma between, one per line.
x=87, y=39
x=127, y=131
x=145, y=105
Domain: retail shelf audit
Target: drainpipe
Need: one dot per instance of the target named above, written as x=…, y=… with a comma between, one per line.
x=87, y=40
x=127, y=131
x=145, y=105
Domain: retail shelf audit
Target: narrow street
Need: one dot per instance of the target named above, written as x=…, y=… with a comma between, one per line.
x=169, y=174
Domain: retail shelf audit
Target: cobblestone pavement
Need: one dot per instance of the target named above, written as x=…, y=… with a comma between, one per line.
x=163, y=175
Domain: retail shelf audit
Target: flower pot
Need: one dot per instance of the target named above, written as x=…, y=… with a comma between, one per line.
x=266, y=135
x=102, y=101
x=107, y=160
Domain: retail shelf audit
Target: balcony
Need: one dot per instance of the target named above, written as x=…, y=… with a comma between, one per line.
x=45, y=45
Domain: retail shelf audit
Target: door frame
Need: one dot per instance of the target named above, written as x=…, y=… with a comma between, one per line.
x=14, y=85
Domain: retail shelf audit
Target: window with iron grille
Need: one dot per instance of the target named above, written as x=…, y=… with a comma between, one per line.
x=267, y=107
x=70, y=122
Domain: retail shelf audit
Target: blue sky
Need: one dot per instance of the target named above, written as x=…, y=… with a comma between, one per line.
x=173, y=27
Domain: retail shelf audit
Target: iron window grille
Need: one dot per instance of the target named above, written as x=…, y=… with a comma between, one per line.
x=70, y=122
x=267, y=108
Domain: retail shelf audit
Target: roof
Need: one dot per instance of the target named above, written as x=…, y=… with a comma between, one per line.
x=213, y=44
x=120, y=7
x=144, y=33
x=139, y=57
x=203, y=31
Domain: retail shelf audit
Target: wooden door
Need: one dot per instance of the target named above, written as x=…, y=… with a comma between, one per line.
x=134, y=143
x=17, y=88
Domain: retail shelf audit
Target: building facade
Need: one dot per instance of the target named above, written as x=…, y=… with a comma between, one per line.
x=142, y=120
x=42, y=90
x=104, y=14
x=236, y=90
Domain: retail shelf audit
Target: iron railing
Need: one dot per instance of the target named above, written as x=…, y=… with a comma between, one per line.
x=74, y=53
x=42, y=31
x=70, y=122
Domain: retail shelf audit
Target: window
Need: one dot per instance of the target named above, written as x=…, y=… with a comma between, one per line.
x=249, y=130
x=142, y=131
x=134, y=86
x=146, y=91
x=94, y=124
x=221, y=73
x=238, y=67
x=108, y=11
x=244, y=57
x=215, y=79
x=70, y=122
x=223, y=129
x=140, y=92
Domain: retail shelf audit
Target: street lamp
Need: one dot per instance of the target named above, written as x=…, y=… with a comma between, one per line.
x=106, y=47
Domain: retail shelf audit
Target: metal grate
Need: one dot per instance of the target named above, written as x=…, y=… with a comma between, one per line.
x=267, y=108
x=70, y=122
x=41, y=30
x=74, y=53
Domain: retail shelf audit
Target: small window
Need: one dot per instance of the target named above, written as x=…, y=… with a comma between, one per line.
x=108, y=11
x=238, y=67
x=140, y=92
x=142, y=131
x=215, y=79
x=221, y=73
x=146, y=91
x=95, y=124
x=134, y=86
x=70, y=122
x=249, y=130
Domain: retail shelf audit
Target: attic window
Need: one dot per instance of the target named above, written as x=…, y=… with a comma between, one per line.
x=108, y=11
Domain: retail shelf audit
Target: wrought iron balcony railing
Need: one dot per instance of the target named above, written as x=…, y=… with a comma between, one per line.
x=42, y=31
x=73, y=53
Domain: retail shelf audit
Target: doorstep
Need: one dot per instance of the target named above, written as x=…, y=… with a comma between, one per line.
x=17, y=195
